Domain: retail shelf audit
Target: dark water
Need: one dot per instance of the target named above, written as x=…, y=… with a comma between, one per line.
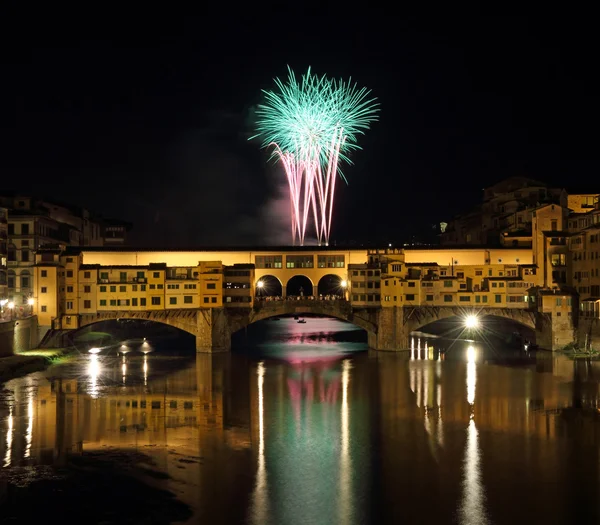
x=309, y=429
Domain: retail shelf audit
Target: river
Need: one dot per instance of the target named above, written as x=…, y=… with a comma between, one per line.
x=305, y=426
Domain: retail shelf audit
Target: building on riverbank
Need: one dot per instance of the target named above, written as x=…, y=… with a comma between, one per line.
x=32, y=223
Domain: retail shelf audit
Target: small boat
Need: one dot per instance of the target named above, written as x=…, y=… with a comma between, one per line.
x=301, y=321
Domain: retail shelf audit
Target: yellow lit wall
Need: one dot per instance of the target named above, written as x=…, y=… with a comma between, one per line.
x=156, y=288
x=88, y=287
x=45, y=295
x=582, y=203
x=211, y=284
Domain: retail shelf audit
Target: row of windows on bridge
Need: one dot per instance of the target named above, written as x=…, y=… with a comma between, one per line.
x=155, y=301
x=448, y=298
x=299, y=261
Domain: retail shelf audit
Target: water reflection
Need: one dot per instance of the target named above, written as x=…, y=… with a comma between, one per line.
x=471, y=375
x=324, y=435
x=94, y=371
x=9, y=438
x=472, y=510
x=261, y=504
x=345, y=512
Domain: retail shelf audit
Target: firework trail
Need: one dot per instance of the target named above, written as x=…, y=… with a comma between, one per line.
x=312, y=125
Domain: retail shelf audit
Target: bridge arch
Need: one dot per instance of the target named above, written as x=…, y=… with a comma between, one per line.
x=147, y=334
x=331, y=284
x=269, y=286
x=184, y=320
x=299, y=285
x=419, y=318
x=338, y=309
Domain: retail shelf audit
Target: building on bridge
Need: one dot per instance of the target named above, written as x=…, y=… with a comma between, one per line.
x=211, y=294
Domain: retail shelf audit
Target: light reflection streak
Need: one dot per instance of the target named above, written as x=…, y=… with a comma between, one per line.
x=94, y=373
x=261, y=510
x=29, y=434
x=419, y=391
x=124, y=369
x=345, y=460
x=9, y=439
x=471, y=375
x=440, y=423
x=145, y=370
x=472, y=509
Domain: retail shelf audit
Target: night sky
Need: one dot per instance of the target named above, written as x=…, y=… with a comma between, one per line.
x=148, y=121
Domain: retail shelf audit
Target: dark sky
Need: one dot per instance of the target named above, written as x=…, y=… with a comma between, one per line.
x=147, y=120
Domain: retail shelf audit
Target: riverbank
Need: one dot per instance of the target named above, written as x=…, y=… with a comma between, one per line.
x=97, y=487
x=31, y=361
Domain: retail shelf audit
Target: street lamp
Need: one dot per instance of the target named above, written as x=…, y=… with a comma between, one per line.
x=11, y=307
x=260, y=285
x=30, y=302
x=344, y=285
x=471, y=321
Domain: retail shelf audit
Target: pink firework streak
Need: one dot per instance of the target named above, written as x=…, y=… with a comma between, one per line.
x=312, y=186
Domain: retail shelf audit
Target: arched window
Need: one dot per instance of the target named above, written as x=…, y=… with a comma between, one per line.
x=25, y=279
x=11, y=279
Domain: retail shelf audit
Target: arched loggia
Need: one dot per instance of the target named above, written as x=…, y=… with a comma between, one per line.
x=268, y=286
x=332, y=285
x=298, y=286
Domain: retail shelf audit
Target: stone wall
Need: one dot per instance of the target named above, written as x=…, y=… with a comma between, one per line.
x=553, y=332
x=18, y=335
x=588, y=332
x=6, y=338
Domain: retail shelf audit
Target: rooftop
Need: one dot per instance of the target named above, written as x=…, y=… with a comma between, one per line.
x=74, y=250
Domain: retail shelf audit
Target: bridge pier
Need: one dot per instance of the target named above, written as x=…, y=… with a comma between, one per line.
x=392, y=332
x=213, y=332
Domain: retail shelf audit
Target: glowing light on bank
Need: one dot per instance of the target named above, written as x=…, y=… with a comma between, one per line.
x=312, y=125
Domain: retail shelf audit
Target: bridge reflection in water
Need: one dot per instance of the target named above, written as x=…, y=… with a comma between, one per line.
x=381, y=438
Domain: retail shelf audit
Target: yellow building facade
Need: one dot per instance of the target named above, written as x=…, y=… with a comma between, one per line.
x=444, y=277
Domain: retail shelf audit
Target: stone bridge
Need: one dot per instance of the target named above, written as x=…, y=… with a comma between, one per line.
x=213, y=327
x=387, y=328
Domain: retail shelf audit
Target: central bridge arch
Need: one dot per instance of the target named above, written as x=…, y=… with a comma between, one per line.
x=339, y=309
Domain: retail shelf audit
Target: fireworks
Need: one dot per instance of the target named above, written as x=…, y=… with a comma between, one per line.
x=312, y=124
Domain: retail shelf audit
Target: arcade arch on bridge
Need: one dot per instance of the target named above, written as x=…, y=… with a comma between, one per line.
x=299, y=286
x=332, y=285
x=268, y=286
